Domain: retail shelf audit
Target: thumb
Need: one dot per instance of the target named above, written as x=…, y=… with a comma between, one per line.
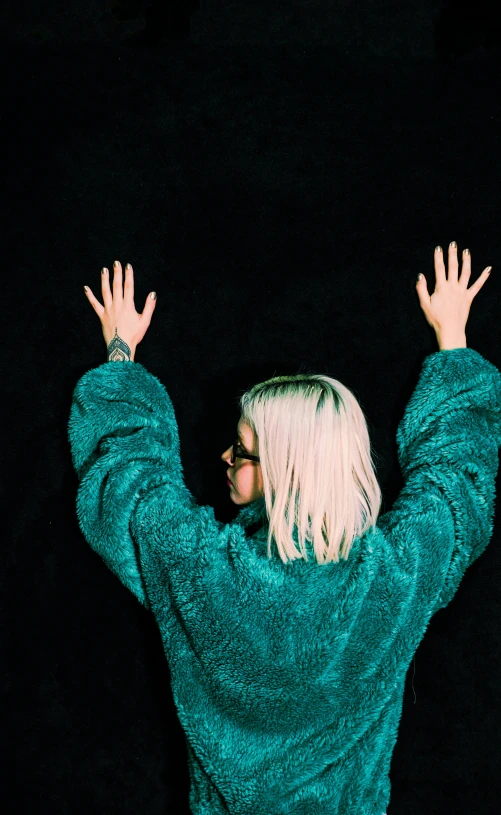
x=422, y=288
x=149, y=308
x=151, y=302
x=424, y=299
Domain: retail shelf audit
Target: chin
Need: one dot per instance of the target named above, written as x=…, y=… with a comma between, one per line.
x=242, y=501
x=238, y=499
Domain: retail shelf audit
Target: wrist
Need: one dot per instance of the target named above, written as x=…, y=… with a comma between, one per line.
x=447, y=341
x=120, y=351
x=121, y=356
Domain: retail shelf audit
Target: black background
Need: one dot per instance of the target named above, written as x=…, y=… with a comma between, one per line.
x=278, y=173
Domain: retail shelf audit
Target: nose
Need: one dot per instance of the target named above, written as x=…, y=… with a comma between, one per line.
x=226, y=457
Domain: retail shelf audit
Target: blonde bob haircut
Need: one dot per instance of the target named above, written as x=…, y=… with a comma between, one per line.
x=317, y=470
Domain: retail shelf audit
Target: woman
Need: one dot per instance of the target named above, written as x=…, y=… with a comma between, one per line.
x=289, y=631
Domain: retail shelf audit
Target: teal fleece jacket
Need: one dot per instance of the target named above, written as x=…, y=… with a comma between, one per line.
x=288, y=679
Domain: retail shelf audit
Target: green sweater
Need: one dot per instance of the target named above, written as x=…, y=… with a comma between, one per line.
x=288, y=679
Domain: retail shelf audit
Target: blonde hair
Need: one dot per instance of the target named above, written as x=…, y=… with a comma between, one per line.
x=315, y=456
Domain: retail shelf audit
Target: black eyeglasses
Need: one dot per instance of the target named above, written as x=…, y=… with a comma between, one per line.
x=236, y=446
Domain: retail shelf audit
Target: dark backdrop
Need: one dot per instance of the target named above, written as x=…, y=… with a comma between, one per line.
x=278, y=173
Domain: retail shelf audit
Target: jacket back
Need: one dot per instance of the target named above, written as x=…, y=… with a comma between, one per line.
x=288, y=679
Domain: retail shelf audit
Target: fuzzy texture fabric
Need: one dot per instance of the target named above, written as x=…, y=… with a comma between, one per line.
x=288, y=679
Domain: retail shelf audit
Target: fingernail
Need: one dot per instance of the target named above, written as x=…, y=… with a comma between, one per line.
x=466, y=252
x=104, y=270
x=438, y=248
x=153, y=295
x=488, y=270
x=128, y=266
x=453, y=244
x=419, y=276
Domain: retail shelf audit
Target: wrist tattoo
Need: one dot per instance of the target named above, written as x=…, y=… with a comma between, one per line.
x=118, y=350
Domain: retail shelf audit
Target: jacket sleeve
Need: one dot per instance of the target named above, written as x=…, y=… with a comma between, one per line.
x=447, y=442
x=124, y=442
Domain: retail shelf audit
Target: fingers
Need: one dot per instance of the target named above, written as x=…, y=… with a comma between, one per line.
x=105, y=287
x=466, y=267
x=129, y=284
x=119, y=295
x=452, y=262
x=439, y=265
x=440, y=272
x=96, y=305
x=117, y=282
